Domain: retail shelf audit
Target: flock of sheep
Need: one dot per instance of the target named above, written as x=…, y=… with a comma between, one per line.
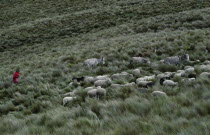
x=100, y=83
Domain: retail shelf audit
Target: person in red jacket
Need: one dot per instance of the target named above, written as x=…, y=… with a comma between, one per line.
x=16, y=76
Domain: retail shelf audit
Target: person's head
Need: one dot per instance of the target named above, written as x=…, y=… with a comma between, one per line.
x=18, y=70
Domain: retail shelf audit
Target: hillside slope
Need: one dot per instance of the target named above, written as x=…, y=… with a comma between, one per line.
x=49, y=41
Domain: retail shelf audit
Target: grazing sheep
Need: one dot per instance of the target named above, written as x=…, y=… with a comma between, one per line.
x=167, y=82
x=204, y=68
x=139, y=60
x=68, y=99
x=146, y=78
x=159, y=94
x=205, y=75
x=136, y=72
x=103, y=83
x=142, y=83
x=94, y=62
x=175, y=60
x=89, y=79
x=122, y=76
x=129, y=84
x=166, y=75
x=207, y=62
x=190, y=70
x=150, y=84
x=69, y=93
x=104, y=77
x=188, y=80
x=92, y=93
x=89, y=88
x=78, y=79
x=180, y=74
x=98, y=92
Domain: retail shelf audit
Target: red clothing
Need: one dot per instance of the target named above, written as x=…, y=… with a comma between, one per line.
x=15, y=77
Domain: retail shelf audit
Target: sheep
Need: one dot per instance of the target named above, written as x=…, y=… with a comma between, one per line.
x=205, y=75
x=142, y=83
x=139, y=60
x=192, y=76
x=204, y=68
x=190, y=70
x=188, y=80
x=166, y=75
x=98, y=92
x=175, y=60
x=136, y=72
x=129, y=84
x=159, y=94
x=167, y=82
x=89, y=79
x=78, y=79
x=69, y=93
x=102, y=83
x=94, y=62
x=104, y=77
x=68, y=99
x=146, y=78
x=89, y=88
x=121, y=76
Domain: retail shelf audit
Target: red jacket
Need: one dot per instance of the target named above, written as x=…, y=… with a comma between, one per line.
x=15, y=77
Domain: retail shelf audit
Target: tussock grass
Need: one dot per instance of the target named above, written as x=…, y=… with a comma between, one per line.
x=50, y=42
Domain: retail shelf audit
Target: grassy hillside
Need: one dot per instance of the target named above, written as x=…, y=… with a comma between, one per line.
x=49, y=40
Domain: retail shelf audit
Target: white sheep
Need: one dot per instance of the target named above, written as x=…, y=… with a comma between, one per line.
x=94, y=62
x=120, y=76
x=175, y=60
x=103, y=77
x=136, y=72
x=146, y=78
x=68, y=99
x=139, y=60
x=169, y=83
x=129, y=84
x=89, y=79
x=96, y=92
x=159, y=93
x=69, y=93
x=103, y=83
x=142, y=83
x=190, y=70
x=205, y=75
x=204, y=68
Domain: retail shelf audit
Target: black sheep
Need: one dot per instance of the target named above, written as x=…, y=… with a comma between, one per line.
x=78, y=79
x=192, y=76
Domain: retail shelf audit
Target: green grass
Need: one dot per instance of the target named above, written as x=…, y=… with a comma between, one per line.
x=49, y=40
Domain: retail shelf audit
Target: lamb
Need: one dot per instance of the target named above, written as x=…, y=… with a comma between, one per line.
x=175, y=60
x=68, y=99
x=94, y=62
